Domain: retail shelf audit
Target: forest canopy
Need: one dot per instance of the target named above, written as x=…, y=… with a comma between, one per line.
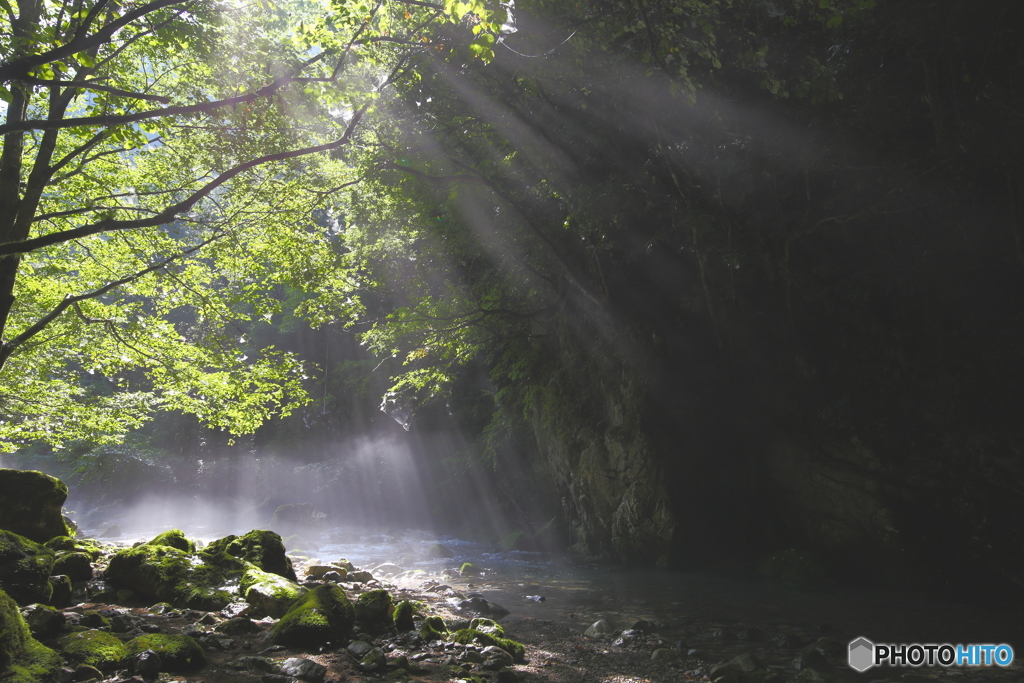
x=729, y=194
x=168, y=177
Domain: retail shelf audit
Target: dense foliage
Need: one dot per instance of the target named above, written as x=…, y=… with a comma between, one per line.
x=165, y=173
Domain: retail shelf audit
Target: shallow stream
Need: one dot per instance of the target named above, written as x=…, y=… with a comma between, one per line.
x=690, y=606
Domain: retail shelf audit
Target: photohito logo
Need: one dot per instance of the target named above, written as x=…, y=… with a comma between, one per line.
x=864, y=654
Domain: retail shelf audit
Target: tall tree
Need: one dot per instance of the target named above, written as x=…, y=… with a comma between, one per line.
x=165, y=167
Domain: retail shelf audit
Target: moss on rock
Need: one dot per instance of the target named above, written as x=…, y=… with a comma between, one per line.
x=403, y=616
x=95, y=648
x=261, y=548
x=60, y=591
x=178, y=654
x=78, y=545
x=323, y=615
x=488, y=626
x=433, y=628
x=167, y=574
x=25, y=568
x=469, y=569
x=470, y=635
x=32, y=504
x=269, y=594
x=373, y=610
x=23, y=659
x=175, y=538
x=76, y=566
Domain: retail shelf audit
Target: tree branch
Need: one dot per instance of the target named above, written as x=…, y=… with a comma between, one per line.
x=93, y=85
x=7, y=348
x=19, y=68
x=169, y=214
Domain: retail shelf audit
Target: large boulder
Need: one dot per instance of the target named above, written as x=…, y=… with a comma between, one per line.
x=175, y=538
x=165, y=574
x=93, y=648
x=373, y=611
x=323, y=615
x=32, y=504
x=265, y=549
x=23, y=659
x=177, y=653
x=269, y=595
x=25, y=568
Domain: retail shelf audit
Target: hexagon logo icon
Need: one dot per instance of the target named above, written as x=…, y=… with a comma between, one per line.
x=862, y=654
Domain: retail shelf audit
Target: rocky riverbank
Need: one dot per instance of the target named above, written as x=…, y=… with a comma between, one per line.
x=241, y=608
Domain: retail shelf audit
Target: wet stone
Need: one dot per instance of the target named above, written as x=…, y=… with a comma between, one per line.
x=359, y=648
x=302, y=669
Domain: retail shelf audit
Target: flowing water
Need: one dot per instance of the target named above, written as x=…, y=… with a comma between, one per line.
x=682, y=603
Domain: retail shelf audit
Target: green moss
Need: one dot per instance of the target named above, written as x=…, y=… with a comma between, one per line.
x=269, y=594
x=403, y=616
x=261, y=548
x=488, y=626
x=36, y=663
x=60, y=591
x=94, y=619
x=167, y=574
x=14, y=632
x=25, y=568
x=469, y=635
x=178, y=654
x=95, y=648
x=323, y=615
x=470, y=569
x=373, y=610
x=32, y=504
x=175, y=538
x=433, y=628
x=77, y=566
x=22, y=658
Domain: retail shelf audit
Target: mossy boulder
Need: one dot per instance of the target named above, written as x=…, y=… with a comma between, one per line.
x=403, y=616
x=323, y=615
x=78, y=545
x=163, y=573
x=178, y=654
x=261, y=548
x=25, y=569
x=175, y=538
x=95, y=648
x=61, y=591
x=32, y=504
x=470, y=569
x=471, y=635
x=23, y=659
x=433, y=628
x=269, y=594
x=373, y=610
x=488, y=626
x=74, y=565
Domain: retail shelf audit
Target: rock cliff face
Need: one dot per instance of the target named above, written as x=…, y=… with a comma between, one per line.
x=888, y=512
